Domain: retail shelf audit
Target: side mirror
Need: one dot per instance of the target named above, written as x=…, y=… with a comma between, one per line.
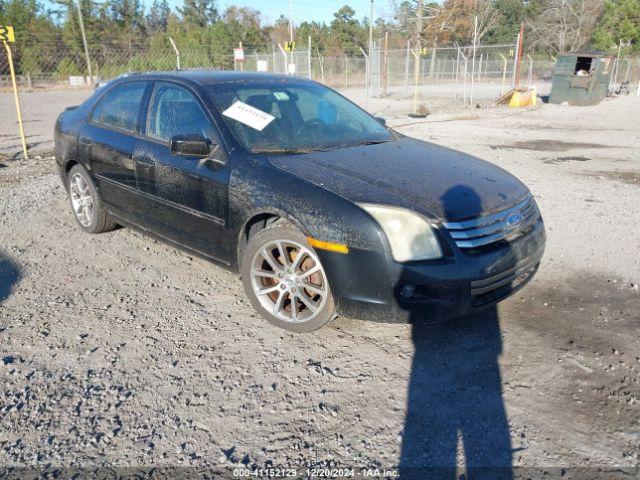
x=381, y=121
x=190, y=145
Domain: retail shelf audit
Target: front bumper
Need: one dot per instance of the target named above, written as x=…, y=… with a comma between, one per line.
x=371, y=286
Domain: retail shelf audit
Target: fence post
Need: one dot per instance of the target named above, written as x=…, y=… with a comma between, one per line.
x=530, y=70
x=366, y=77
x=455, y=95
x=175, y=49
x=346, y=72
x=84, y=40
x=473, y=61
x=273, y=51
x=284, y=55
x=386, y=64
x=626, y=74
x=504, y=73
x=309, y=57
x=464, y=79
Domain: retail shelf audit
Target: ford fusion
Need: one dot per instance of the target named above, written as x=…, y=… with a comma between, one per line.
x=322, y=209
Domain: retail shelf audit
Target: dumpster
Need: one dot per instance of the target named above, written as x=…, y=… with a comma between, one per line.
x=581, y=78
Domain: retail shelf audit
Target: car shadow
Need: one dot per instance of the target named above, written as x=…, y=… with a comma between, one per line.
x=455, y=411
x=9, y=276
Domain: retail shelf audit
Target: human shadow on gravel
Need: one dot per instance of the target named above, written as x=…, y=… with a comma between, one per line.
x=455, y=391
x=455, y=394
x=9, y=276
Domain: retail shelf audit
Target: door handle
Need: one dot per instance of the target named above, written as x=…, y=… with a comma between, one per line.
x=144, y=160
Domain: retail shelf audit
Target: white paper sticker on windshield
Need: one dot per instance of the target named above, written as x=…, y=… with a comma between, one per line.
x=243, y=113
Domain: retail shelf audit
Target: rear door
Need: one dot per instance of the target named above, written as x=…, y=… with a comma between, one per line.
x=107, y=143
x=185, y=197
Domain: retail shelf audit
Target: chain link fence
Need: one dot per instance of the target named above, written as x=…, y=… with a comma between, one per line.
x=51, y=63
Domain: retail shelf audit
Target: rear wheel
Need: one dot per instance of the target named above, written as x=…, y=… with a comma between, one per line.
x=86, y=204
x=285, y=280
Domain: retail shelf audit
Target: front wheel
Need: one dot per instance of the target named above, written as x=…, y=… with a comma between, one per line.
x=285, y=280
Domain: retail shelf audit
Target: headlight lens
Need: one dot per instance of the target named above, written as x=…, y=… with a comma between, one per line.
x=409, y=234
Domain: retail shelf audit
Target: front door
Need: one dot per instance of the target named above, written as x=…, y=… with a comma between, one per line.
x=107, y=141
x=185, y=197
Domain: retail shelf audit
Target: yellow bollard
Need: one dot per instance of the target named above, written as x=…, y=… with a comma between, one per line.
x=15, y=94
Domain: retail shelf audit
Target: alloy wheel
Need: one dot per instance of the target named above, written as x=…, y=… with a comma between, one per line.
x=81, y=200
x=289, y=281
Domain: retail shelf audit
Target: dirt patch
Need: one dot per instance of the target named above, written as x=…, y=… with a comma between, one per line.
x=548, y=145
x=628, y=177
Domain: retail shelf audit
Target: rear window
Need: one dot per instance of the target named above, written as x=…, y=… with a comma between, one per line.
x=120, y=107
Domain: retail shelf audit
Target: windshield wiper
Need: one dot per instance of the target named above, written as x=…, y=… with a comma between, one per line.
x=371, y=142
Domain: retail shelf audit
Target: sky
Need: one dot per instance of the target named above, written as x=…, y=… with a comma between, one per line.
x=309, y=10
x=319, y=10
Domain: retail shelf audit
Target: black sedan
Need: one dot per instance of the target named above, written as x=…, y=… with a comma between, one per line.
x=321, y=207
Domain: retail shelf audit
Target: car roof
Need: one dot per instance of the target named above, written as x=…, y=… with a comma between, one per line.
x=211, y=77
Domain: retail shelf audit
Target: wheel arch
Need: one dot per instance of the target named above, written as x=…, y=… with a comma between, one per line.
x=259, y=219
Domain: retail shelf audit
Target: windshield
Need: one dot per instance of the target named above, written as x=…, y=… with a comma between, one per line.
x=288, y=117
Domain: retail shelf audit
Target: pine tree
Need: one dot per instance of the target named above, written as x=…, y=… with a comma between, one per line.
x=199, y=13
x=620, y=23
x=158, y=16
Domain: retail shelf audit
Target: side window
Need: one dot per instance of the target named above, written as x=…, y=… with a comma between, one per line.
x=174, y=111
x=120, y=107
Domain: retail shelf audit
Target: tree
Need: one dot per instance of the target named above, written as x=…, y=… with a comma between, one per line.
x=454, y=21
x=199, y=13
x=128, y=16
x=511, y=14
x=279, y=32
x=319, y=32
x=346, y=32
x=620, y=23
x=565, y=25
x=158, y=17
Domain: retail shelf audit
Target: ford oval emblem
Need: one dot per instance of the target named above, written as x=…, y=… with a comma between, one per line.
x=514, y=221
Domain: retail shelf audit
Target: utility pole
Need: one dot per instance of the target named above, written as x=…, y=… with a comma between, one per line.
x=371, y=27
x=473, y=61
x=417, y=53
x=291, y=21
x=386, y=64
x=84, y=40
x=369, y=57
x=290, y=34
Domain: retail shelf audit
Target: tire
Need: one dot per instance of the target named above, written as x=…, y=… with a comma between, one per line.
x=294, y=300
x=86, y=204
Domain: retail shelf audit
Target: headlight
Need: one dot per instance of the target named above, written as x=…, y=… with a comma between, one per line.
x=409, y=234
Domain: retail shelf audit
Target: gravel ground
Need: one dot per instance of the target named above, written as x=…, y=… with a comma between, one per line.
x=118, y=350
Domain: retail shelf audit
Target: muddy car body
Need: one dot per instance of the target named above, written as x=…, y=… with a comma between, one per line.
x=468, y=233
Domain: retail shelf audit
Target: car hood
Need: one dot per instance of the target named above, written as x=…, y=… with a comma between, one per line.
x=442, y=183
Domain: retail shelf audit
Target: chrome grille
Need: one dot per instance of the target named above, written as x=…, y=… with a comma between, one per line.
x=492, y=228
